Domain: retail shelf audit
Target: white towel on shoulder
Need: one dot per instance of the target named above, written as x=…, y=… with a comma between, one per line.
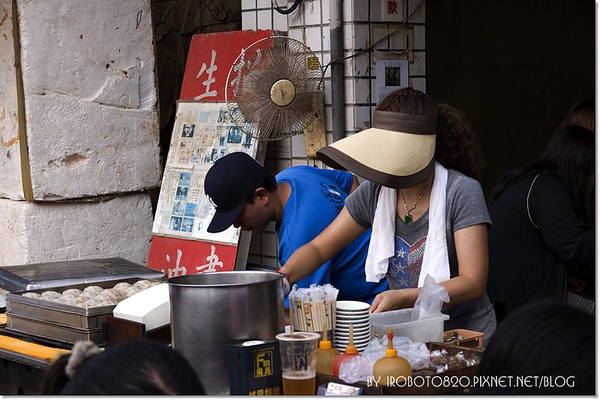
x=382, y=244
x=435, y=259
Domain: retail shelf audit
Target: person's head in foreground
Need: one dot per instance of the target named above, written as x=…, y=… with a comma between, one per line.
x=547, y=339
x=137, y=367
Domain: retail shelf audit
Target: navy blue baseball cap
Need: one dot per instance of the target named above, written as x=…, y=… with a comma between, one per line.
x=229, y=183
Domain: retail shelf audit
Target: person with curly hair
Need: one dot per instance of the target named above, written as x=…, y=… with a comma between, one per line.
x=426, y=208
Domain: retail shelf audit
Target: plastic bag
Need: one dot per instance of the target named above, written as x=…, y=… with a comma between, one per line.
x=430, y=301
x=361, y=368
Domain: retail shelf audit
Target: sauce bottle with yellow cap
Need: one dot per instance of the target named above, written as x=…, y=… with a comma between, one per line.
x=391, y=368
x=326, y=355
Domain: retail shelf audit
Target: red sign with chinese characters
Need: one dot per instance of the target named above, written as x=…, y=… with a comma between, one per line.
x=209, y=60
x=177, y=257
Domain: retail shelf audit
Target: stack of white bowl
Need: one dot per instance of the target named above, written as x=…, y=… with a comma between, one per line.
x=357, y=314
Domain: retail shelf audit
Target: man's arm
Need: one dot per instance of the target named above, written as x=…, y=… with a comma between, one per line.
x=355, y=183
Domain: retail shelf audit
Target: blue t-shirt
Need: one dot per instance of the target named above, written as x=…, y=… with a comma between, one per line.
x=316, y=198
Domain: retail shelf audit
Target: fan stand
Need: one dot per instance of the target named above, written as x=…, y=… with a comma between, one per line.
x=314, y=133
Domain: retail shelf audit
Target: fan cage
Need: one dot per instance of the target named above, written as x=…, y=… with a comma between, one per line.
x=252, y=77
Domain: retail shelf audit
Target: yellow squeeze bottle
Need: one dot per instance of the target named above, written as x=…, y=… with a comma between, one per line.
x=326, y=355
x=391, y=369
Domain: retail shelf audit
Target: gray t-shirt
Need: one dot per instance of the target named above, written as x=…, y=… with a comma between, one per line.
x=465, y=206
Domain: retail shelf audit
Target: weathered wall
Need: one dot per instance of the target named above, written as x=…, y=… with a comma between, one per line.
x=90, y=97
x=79, y=124
x=115, y=226
x=10, y=158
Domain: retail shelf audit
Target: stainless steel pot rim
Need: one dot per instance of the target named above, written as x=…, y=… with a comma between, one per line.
x=196, y=280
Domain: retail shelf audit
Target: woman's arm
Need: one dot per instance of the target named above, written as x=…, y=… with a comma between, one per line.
x=469, y=285
x=472, y=254
x=308, y=258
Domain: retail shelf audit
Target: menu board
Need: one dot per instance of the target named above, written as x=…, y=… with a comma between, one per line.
x=202, y=133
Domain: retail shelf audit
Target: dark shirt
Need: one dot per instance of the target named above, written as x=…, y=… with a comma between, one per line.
x=528, y=262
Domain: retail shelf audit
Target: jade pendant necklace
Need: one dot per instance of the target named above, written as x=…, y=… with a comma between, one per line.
x=408, y=217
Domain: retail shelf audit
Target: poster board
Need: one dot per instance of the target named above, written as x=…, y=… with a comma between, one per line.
x=202, y=133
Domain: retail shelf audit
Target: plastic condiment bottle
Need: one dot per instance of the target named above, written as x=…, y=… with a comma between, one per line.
x=350, y=352
x=326, y=355
x=391, y=369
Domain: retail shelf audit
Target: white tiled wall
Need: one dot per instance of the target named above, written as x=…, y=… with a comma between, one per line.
x=309, y=24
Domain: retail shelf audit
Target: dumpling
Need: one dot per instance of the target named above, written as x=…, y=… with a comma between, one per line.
x=93, y=290
x=110, y=294
x=121, y=286
x=67, y=299
x=83, y=297
x=74, y=292
x=131, y=291
x=93, y=302
x=32, y=295
x=105, y=300
x=50, y=295
x=143, y=284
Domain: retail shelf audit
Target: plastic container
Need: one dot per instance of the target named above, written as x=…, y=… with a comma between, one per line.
x=350, y=351
x=342, y=358
x=425, y=330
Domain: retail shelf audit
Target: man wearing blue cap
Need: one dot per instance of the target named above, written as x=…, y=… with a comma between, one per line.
x=302, y=201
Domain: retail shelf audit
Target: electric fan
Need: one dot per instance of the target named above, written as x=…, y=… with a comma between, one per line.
x=274, y=88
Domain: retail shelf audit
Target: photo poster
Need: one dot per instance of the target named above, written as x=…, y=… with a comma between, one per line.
x=390, y=75
x=202, y=133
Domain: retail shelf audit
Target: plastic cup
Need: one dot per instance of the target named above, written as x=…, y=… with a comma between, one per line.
x=298, y=354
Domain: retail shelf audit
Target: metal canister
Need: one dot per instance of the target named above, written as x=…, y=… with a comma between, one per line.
x=211, y=309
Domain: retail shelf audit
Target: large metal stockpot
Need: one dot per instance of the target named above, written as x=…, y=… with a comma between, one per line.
x=211, y=309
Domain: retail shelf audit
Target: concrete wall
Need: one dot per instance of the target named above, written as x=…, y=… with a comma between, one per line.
x=111, y=226
x=10, y=157
x=77, y=97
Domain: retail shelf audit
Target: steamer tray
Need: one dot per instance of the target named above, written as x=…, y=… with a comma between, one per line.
x=54, y=332
x=20, y=278
x=61, y=322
